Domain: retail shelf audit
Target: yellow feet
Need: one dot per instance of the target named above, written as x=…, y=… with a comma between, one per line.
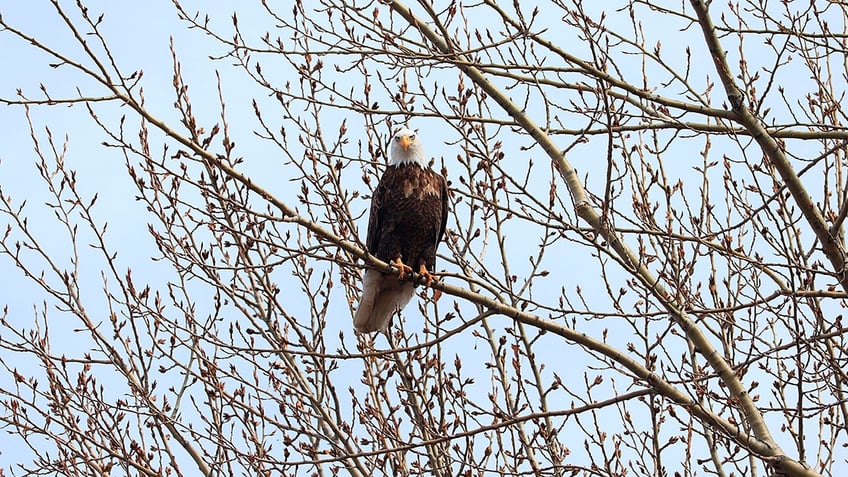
x=428, y=277
x=425, y=276
x=403, y=268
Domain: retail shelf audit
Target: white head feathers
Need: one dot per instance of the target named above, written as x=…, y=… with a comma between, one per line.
x=406, y=148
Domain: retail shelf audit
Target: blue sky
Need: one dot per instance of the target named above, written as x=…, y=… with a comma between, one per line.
x=140, y=36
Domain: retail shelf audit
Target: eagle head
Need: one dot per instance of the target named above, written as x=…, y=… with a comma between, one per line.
x=406, y=148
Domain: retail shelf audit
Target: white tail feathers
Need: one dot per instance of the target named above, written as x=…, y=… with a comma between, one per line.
x=382, y=294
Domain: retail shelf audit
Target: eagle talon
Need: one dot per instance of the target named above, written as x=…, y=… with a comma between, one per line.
x=426, y=276
x=402, y=268
x=428, y=279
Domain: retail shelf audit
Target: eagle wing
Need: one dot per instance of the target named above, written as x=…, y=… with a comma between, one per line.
x=444, y=198
x=375, y=219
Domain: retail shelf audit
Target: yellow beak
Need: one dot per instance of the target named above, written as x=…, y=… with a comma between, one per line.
x=405, y=142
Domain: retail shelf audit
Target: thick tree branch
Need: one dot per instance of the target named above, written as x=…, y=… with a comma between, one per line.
x=832, y=247
x=766, y=445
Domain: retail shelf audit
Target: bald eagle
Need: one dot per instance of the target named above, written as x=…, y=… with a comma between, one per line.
x=407, y=219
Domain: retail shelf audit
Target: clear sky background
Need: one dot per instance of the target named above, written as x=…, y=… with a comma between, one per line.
x=140, y=34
